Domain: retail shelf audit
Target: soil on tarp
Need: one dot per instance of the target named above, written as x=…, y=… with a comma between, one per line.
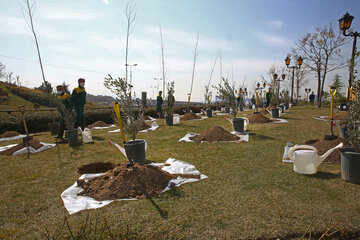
x=323, y=146
x=9, y=134
x=139, y=181
x=98, y=167
x=190, y=116
x=32, y=143
x=98, y=124
x=144, y=126
x=263, y=111
x=215, y=134
x=258, y=118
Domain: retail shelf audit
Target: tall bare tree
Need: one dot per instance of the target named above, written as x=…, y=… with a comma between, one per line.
x=130, y=25
x=28, y=13
x=300, y=80
x=162, y=60
x=193, y=70
x=321, y=53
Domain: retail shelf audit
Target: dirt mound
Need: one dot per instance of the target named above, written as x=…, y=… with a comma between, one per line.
x=144, y=126
x=147, y=118
x=258, y=118
x=215, y=134
x=138, y=181
x=98, y=167
x=190, y=116
x=323, y=145
x=9, y=134
x=32, y=143
x=98, y=124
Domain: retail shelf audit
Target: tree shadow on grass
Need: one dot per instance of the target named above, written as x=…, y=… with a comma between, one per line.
x=325, y=175
x=163, y=213
x=256, y=136
x=98, y=138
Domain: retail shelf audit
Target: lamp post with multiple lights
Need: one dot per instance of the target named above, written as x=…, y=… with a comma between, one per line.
x=277, y=82
x=287, y=62
x=261, y=88
x=344, y=24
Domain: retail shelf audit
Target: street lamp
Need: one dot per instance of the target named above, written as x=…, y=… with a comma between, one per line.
x=261, y=88
x=158, y=79
x=307, y=90
x=287, y=62
x=278, y=83
x=130, y=65
x=344, y=24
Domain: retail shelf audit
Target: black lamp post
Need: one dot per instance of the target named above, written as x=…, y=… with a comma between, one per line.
x=278, y=83
x=344, y=24
x=261, y=96
x=307, y=90
x=287, y=62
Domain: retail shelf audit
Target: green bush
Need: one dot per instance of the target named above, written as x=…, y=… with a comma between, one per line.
x=3, y=90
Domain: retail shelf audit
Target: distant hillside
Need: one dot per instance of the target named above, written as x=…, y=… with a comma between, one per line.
x=100, y=100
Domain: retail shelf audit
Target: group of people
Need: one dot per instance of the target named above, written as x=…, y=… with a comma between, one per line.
x=76, y=101
x=159, y=103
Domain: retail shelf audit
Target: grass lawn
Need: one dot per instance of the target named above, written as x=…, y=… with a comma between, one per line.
x=249, y=194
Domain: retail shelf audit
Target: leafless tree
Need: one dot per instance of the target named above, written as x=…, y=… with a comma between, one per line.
x=2, y=70
x=18, y=80
x=9, y=77
x=130, y=25
x=300, y=80
x=321, y=53
x=28, y=13
x=162, y=60
x=193, y=70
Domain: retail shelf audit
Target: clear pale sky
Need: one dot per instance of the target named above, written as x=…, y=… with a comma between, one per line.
x=84, y=38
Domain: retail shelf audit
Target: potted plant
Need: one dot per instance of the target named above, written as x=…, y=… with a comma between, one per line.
x=208, y=96
x=227, y=93
x=274, y=101
x=132, y=118
x=69, y=117
x=286, y=99
x=170, y=103
x=350, y=157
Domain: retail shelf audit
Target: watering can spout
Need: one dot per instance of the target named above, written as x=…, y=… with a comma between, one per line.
x=325, y=155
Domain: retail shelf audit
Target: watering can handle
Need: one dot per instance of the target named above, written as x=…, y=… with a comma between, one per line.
x=302, y=147
x=246, y=119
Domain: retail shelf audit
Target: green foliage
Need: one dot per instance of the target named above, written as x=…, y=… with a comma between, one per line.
x=353, y=120
x=208, y=96
x=227, y=93
x=46, y=87
x=3, y=91
x=170, y=98
x=133, y=117
x=338, y=85
x=286, y=96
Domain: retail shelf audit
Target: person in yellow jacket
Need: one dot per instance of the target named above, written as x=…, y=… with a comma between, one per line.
x=78, y=100
x=64, y=99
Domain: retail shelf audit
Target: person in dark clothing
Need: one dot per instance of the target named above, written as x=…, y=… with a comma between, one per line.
x=268, y=97
x=312, y=97
x=159, y=102
x=64, y=108
x=78, y=100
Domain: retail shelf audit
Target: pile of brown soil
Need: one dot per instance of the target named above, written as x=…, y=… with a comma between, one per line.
x=138, y=181
x=258, y=118
x=147, y=118
x=323, y=145
x=32, y=143
x=98, y=124
x=215, y=134
x=190, y=116
x=144, y=126
x=98, y=167
x=9, y=134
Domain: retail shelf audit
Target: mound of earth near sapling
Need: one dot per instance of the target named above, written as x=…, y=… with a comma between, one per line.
x=258, y=118
x=264, y=111
x=32, y=143
x=98, y=167
x=98, y=124
x=215, y=134
x=139, y=181
x=9, y=134
x=144, y=126
x=190, y=116
x=323, y=145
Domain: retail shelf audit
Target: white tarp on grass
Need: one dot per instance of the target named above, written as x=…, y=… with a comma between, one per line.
x=151, y=119
x=278, y=120
x=243, y=137
x=103, y=127
x=153, y=127
x=25, y=150
x=12, y=138
x=74, y=203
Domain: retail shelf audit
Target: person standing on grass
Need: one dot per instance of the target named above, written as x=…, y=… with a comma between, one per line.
x=268, y=97
x=312, y=98
x=159, y=102
x=66, y=107
x=78, y=100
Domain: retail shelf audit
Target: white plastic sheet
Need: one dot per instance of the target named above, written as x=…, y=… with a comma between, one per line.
x=151, y=119
x=12, y=138
x=278, y=120
x=74, y=203
x=25, y=150
x=153, y=127
x=103, y=127
x=285, y=157
x=243, y=137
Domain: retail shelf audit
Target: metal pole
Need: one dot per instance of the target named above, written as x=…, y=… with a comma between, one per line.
x=292, y=84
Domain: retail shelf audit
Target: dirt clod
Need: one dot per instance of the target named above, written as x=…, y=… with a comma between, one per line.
x=32, y=143
x=190, y=116
x=215, y=134
x=258, y=118
x=9, y=134
x=98, y=167
x=98, y=124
